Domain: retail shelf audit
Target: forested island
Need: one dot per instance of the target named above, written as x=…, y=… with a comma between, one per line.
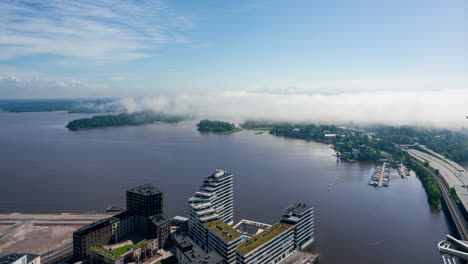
x=122, y=119
x=220, y=127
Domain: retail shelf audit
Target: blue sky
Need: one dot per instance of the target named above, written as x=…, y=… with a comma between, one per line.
x=108, y=48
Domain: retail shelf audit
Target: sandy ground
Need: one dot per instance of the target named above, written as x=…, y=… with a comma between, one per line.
x=39, y=233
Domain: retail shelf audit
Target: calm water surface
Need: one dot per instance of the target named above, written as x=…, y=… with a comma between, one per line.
x=43, y=166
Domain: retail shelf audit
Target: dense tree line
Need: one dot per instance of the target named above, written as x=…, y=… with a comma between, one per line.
x=432, y=190
x=121, y=120
x=216, y=126
x=39, y=105
x=453, y=145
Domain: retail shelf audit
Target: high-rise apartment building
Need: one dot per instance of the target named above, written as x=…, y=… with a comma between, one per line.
x=145, y=200
x=215, y=199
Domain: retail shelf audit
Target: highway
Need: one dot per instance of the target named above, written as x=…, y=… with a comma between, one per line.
x=451, y=205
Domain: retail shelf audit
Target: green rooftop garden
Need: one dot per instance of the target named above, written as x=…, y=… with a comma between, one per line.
x=223, y=230
x=141, y=243
x=106, y=253
x=260, y=239
x=123, y=249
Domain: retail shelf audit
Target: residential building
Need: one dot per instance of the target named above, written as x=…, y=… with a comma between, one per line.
x=270, y=246
x=302, y=217
x=145, y=200
x=144, y=217
x=123, y=253
x=215, y=200
x=222, y=238
x=181, y=223
x=187, y=252
x=211, y=211
x=160, y=226
x=15, y=258
x=294, y=232
x=97, y=233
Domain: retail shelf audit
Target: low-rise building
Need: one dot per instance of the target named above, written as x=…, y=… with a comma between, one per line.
x=187, y=252
x=180, y=223
x=270, y=246
x=15, y=258
x=222, y=238
x=295, y=231
x=143, y=217
x=127, y=253
x=160, y=226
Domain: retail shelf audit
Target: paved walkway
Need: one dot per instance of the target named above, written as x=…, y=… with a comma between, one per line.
x=300, y=257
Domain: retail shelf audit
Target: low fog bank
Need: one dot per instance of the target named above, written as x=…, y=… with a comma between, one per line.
x=446, y=109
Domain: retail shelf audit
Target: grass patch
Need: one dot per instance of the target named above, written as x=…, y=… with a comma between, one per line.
x=106, y=253
x=260, y=239
x=123, y=249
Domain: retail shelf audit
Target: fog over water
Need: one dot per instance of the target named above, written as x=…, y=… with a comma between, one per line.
x=437, y=109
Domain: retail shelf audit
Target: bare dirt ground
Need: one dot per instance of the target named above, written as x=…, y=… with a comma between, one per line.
x=3, y=228
x=36, y=239
x=40, y=233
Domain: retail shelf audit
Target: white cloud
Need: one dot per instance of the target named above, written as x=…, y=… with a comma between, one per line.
x=119, y=78
x=441, y=109
x=91, y=31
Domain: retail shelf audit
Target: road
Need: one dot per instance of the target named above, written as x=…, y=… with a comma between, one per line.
x=449, y=170
x=451, y=205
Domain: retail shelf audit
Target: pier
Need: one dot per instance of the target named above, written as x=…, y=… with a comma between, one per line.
x=382, y=174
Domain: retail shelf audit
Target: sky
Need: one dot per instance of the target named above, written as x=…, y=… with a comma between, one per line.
x=302, y=52
x=104, y=48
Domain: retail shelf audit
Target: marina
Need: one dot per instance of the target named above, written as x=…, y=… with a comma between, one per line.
x=381, y=176
x=403, y=171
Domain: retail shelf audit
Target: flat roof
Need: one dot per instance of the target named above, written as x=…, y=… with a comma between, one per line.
x=159, y=219
x=298, y=208
x=263, y=237
x=10, y=258
x=195, y=253
x=94, y=226
x=223, y=230
x=145, y=189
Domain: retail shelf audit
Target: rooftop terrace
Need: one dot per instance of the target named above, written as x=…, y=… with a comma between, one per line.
x=226, y=232
x=263, y=237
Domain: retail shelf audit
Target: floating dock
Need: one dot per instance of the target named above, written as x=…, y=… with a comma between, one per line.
x=403, y=171
x=338, y=174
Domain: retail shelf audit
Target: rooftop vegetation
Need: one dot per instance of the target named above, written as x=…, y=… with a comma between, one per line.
x=106, y=253
x=123, y=249
x=263, y=237
x=223, y=230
